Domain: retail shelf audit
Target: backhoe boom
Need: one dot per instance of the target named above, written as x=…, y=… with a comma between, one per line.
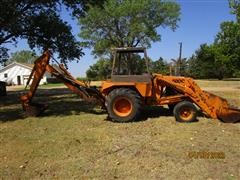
x=41, y=65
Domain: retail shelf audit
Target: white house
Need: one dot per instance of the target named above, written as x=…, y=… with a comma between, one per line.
x=18, y=74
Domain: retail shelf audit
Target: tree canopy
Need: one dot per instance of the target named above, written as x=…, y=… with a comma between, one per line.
x=160, y=66
x=100, y=70
x=40, y=23
x=209, y=62
x=126, y=23
x=235, y=8
x=24, y=56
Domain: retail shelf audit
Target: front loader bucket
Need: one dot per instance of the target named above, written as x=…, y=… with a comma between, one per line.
x=229, y=114
x=222, y=109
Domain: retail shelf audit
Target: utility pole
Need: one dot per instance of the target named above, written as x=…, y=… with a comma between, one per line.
x=179, y=64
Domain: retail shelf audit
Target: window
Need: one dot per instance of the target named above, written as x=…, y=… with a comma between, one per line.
x=5, y=75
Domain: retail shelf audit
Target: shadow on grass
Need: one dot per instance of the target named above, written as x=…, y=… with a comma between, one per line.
x=155, y=111
x=151, y=112
x=11, y=115
x=61, y=102
x=71, y=106
x=158, y=111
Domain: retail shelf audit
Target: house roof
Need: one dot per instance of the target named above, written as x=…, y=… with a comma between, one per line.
x=24, y=65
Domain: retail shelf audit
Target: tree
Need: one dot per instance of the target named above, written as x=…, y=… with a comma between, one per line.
x=126, y=23
x=209, y=61
x=100, y=70
x=23, y=56
x=3, y=55
x=80, y=7
x=235, y=8
x=201, y=64
x=160, y=66
x=228, y=41
x=39, y=22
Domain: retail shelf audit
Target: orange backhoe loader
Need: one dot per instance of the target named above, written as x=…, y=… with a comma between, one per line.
x=125, y=93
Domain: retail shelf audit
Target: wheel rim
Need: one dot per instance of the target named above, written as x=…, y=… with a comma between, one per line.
x=186, y=113
x=122, y=106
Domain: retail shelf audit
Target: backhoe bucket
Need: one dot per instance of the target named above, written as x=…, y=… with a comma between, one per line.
x=35, y=109
x=32, y=109
x=222, y=109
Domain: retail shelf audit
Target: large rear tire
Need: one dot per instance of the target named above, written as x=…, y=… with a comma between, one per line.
x=123, y=105
x=185, y=111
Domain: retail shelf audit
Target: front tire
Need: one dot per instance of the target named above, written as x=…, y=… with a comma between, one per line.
x=123, y=105
x=185, y=111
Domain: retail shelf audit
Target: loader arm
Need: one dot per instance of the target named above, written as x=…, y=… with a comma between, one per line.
x=41, y=65
x=213, y=106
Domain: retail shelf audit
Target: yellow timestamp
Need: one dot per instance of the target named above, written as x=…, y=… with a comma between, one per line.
x=206, y=155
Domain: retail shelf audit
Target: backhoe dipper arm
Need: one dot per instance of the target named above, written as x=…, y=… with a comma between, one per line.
x=38, y=71
x=41, y=65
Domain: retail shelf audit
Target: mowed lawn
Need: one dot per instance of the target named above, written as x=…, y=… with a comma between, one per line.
x=73, y=140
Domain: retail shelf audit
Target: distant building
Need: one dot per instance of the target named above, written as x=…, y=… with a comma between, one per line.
x=18, y=74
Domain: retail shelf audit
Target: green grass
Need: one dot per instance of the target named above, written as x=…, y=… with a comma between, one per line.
x=73, y=140
x=51, y=85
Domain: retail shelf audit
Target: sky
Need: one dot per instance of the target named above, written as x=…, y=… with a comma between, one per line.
x=200, y=22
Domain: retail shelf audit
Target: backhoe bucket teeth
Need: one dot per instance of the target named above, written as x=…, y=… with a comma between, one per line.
x=35, y=109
